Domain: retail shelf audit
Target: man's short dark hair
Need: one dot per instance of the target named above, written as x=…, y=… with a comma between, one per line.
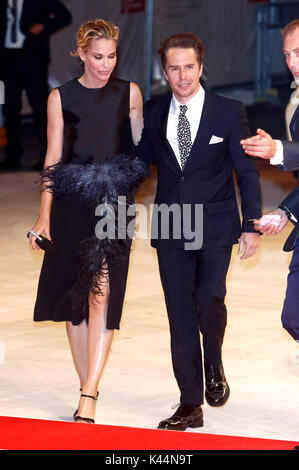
x=182, y=41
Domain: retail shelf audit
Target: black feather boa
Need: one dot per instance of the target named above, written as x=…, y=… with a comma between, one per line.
x=96, y=183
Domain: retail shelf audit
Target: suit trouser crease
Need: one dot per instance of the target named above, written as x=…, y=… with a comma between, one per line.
x=194, y=284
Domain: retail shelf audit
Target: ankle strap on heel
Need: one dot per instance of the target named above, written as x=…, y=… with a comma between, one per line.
x=89, y=396
x=96, y=397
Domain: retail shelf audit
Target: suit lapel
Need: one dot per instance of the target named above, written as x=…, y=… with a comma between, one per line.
x=23, y=21
x=3, y=5
x=203, y=133
x=162, y=122
x=204, y=129
x=294, y=129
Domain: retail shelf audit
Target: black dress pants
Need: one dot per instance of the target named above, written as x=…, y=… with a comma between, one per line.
x=23, y=71
x=194, y=284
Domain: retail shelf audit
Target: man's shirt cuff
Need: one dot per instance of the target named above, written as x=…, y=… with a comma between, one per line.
x=278, y=157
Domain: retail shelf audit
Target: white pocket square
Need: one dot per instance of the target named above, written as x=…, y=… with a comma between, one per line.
x=215, y=139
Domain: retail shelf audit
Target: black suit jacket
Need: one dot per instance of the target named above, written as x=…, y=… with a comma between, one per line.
x=207, y=177
x=51, y=13
x=291, y=163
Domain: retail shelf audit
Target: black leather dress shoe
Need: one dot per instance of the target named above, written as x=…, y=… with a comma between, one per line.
x=185, y=416
x=217, y=389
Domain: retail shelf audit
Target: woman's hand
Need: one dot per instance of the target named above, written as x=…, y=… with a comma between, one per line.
x=42, y=226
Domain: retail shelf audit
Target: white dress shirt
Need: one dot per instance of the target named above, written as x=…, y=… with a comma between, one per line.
x=193, y=113
x=278, y=159
x=9, y=19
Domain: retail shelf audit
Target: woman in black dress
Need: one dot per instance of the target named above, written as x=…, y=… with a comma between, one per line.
x=93, y=123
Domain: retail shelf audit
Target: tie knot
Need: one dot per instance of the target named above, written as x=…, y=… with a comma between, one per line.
x=183, y=109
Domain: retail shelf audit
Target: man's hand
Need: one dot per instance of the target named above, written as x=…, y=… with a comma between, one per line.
x=36, y=28
x=261, y=145
x=271, y=229
x=248, y=244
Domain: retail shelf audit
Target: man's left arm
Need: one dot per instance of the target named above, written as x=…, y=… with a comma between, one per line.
x=248, y=181
x=58, y=16
x=290, y=156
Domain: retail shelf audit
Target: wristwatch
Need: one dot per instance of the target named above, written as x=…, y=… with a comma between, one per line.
x=286, y=211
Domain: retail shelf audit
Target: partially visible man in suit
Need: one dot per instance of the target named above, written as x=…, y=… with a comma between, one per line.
x=193, y=136
x=25, y=29
x=286, y=155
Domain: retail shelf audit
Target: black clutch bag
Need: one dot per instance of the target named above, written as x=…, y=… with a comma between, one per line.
x=44, y=243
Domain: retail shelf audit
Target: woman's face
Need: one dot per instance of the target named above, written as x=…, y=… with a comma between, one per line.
x=99, y=59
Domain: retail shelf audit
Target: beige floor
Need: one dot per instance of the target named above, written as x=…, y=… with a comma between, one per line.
x=138, y=389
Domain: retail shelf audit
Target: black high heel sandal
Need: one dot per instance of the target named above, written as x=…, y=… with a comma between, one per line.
x=97, y=396
x=81, y=418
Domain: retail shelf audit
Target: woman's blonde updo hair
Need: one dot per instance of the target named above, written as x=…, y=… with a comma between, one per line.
x=95, y=29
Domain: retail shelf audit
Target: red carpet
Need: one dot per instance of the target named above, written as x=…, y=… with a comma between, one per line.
x=35, y=434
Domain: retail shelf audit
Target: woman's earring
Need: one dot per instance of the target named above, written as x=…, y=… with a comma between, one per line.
x=82, y=64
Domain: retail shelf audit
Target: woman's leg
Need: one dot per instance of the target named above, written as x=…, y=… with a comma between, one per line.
x=98, y=347
x=77, y=335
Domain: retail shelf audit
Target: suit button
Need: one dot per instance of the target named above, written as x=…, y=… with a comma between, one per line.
x=182, y=179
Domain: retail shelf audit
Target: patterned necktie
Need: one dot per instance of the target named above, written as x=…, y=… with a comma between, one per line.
x=184, y=135
x=13, y=33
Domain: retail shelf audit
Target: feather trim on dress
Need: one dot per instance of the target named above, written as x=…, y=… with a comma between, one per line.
x=100, y=182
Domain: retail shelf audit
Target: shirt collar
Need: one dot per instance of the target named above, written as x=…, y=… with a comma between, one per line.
x=195, y=103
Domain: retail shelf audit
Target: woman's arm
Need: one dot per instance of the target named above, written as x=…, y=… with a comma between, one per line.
x=53, y=155
x=136, y=114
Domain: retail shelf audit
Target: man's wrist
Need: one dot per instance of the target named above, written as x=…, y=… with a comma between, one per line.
x=285, y=210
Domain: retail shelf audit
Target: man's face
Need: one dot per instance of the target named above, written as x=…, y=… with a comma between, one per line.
x=182, y=72
x=291, y=52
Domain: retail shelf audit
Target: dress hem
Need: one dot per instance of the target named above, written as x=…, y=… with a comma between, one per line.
x=65, y=320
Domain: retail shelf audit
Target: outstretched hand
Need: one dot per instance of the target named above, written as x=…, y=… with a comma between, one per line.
x=261, y=145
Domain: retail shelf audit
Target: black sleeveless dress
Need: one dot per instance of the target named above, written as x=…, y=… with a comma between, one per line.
x=97, y=166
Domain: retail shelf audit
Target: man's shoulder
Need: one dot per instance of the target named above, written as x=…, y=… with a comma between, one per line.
x=221, y=100
x=157, y=102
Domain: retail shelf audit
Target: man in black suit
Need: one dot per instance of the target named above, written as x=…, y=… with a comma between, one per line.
x=193, y=136
x=25, y=29
x=286, y=155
